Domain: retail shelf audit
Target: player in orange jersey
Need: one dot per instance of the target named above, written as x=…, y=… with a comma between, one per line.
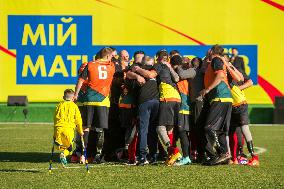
x=99, y=74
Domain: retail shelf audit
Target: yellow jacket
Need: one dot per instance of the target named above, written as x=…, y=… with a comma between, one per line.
x=67, y=115
x=238, y=95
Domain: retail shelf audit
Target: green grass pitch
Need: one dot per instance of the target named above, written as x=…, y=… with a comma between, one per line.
x=25, y=151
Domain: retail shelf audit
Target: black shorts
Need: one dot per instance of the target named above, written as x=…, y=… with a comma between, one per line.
x=97, y=116
x=240, y=116
x=183, y=121
x=219, y=116
x=169, y=113
x=126, y=117
x=83, y=111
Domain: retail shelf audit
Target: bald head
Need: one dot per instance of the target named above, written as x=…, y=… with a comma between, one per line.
x=124, y=55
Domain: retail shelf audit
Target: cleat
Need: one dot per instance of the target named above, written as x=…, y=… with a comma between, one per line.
x=171, y=152
x=223, y=158
x=174, y=158
x=183, y=161
x=234, y=162
x=131, y=163
x=154, y=160
x=168, y=159
x=82, y=160
x=142, y=162
x=242, y=160
x=210, y=161
x=218, y=160
x=99, y=159
x=254, y=162
x=74, y=159
x=63, y=160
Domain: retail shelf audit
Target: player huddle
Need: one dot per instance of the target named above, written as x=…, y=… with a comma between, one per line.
x=135, y=112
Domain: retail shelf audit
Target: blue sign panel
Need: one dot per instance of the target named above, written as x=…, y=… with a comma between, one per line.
x=50, y=49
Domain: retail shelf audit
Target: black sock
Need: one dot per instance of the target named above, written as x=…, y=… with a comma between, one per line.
x=240, y=150
x=184, y=142
x=100, y=141
x=240, y=140
x=86, y=137
x=91, y=148
x=250, y=147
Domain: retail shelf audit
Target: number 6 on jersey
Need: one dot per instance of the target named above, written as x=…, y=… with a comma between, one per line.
x=102, y=72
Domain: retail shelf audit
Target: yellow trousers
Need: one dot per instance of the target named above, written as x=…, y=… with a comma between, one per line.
x=64, y=138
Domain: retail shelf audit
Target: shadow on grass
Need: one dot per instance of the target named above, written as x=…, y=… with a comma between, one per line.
x=19, y=170
x=31, y=157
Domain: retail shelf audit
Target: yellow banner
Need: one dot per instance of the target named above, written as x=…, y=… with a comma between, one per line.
x=42, y=42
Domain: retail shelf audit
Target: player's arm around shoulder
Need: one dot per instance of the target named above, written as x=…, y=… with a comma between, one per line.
x=248, y=83
x=186, y=73
x=150, y=74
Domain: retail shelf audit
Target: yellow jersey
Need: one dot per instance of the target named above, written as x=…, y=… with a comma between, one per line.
x=238, y=95
x=67, y=115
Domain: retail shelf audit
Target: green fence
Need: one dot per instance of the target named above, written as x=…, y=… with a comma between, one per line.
x=43, y=112
x=37, y=112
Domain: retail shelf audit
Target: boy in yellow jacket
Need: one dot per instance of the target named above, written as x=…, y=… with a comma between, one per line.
x=67, y=118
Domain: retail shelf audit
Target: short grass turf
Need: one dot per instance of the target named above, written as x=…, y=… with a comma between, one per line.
x=25, y=151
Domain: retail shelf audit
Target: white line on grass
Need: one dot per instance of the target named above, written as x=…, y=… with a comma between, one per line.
x=259, y=150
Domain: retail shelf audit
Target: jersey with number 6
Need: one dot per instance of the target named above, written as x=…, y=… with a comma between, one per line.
x=99, y=74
